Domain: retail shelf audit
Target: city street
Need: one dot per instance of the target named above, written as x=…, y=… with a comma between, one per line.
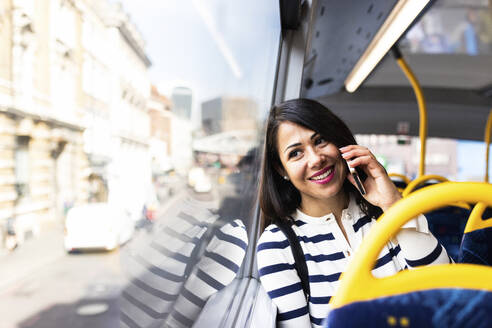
x=41, y=286
x=57, y=294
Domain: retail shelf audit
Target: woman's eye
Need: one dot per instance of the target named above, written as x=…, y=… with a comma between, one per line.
x=319, y=141
x=294, y=153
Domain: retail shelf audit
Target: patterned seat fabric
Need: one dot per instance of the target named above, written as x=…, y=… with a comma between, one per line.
x=438, y=308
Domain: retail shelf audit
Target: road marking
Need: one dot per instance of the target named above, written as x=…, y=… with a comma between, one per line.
x=92, y=309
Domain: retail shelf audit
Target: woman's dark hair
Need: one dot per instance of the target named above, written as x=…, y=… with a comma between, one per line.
x=278, y=197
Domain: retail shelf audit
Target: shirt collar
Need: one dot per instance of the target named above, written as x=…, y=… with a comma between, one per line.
x=352, y=211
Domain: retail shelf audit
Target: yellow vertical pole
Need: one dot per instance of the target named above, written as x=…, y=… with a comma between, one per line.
x=422, y=110
x=488, y=130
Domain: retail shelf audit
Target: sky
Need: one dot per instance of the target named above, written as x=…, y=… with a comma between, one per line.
x=214, y=47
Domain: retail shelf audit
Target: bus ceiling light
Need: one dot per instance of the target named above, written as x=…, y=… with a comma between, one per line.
x=402, y=15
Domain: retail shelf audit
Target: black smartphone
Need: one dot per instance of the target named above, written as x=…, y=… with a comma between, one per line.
x=357, y=179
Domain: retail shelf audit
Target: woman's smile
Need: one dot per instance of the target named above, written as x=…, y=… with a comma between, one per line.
x=323, y=176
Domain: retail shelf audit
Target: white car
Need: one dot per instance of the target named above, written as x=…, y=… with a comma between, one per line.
x=203, y=184
x=96, y=226
x=194, y=174
x=199, y=180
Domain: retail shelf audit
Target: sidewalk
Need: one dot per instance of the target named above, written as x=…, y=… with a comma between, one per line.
x=33, y=254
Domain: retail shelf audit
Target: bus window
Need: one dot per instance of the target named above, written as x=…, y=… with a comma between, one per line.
x=455, y=159
x=131, y=140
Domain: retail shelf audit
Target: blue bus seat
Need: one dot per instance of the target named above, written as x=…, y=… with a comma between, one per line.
x=476, y=246
x=447, y=225
x=438, y=308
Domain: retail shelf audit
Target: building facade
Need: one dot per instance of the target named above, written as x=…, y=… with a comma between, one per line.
x=43, y=161
x=182, y=98
x=130, y=174
x=74, y=125
x=227, y=114
x=161, y=118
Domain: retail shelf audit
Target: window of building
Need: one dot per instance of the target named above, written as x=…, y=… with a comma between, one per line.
x=22, y=170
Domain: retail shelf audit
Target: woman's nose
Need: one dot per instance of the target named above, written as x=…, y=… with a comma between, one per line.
x=314, y=158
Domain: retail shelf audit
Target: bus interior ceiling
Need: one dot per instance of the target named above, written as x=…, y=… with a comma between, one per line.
x=456, y=86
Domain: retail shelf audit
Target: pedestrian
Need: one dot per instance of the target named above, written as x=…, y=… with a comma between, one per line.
x=11, y=242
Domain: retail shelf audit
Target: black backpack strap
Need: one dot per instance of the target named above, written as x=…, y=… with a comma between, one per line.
x=300, y=261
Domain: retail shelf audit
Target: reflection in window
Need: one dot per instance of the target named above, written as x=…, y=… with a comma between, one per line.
x=190, y=257
x=454, y=27
x=195, y=244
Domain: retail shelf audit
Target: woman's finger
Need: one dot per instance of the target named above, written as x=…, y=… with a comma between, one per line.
x=363, y=160
x=369, y=164
x=355, y=152
x=350, y=147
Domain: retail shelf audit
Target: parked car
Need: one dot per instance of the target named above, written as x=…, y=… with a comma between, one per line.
x=97, y=226
x=199, y=180
x=194, y=174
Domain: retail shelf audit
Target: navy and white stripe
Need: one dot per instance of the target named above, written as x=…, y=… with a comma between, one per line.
x=327, y=254
x=158, y=292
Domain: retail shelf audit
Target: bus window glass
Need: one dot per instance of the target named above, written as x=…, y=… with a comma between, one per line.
x=454, y=159
x=130, y=137
x=453, y=27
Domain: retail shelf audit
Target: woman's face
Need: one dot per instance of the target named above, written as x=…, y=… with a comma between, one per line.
x=313, y=165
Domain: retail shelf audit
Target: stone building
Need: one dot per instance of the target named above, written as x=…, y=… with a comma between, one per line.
x=226, y=114
x=161, y=119
x=43, y=162
x=130, y=173
x=74, y=125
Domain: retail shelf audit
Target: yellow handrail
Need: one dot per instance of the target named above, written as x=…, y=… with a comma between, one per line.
x=475, y=221
x=488, y=130
x=428, y=177
x=422, y=109
x=401, y=176
x=358, y=284
x=420, y=180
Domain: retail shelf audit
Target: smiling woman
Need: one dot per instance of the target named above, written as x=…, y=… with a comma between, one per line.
x=310, y=204
x=303, y=138
x=312, y=165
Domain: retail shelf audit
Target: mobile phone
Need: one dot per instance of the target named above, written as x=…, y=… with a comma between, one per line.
x=358, y=182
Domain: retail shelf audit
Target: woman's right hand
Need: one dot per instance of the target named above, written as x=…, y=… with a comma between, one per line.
x=380, y=190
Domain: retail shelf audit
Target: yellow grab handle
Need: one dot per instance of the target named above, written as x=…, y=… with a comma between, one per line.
x=358, y=284
x=428, y=177
x=420, y=180
x=475, y=221
x=401, y=176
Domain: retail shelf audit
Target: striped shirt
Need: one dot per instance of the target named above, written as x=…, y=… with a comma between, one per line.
x=159, y=293
x=327, y=254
